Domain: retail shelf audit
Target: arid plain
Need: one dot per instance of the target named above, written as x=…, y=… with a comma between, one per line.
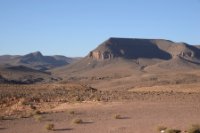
x=122, y=86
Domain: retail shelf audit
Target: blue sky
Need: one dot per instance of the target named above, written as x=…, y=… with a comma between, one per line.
x=74, y=27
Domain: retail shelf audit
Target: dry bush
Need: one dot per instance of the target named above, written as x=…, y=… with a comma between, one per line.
x=50, y=126
x=117, y=116
x=72, y=112
x=38, y=118
x=2, y=118
x=194, y=129
x=32, y=107
x=37, y=112
x=77, y=121
x=161, y=128
x=173, y=131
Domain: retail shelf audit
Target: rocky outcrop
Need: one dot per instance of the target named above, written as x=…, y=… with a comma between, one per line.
x=98, y=55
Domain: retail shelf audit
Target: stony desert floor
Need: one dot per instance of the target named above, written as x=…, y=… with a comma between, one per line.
x=101, y=112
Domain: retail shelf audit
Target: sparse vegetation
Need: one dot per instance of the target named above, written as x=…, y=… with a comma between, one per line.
x=77, y=121
x=173, y=131
x=50, y=126
x=38, y=118
x=45, y=102
x=117, y=116
x=32, y=107
x=72, y=112
x=2, y=118
x=161, y=128
x=37, y=112
x=194, y=129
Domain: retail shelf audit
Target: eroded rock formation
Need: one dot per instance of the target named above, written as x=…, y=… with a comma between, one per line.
x=98, y=55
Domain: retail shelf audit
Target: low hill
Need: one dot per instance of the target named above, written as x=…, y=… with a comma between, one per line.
x=30, y=68
x=23, y=75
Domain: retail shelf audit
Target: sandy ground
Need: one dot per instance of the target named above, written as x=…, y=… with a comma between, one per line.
x=137, y=116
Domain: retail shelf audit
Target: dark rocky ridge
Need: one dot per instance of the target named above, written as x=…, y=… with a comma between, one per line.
x=22, y=75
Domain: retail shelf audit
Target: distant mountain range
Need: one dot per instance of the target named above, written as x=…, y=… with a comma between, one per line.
x=116, y=58
x=36, y=61
x=30, y=68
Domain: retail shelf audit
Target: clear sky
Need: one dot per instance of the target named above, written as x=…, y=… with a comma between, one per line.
x=74, y=27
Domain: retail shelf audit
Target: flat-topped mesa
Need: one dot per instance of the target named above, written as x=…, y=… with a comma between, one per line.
x=118, y=57
x=128, y=49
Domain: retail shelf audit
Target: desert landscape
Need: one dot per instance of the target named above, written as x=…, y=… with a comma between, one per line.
x=125, y=85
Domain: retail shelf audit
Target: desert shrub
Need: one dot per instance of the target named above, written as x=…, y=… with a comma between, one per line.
x=32, y=107
x=77, y=121
x=22, y=101
x=117, y=116
x=6, y=117
x=173, y=131
x=161, y=128
x=79, y=99
x=50, y=126
x=38, y=118
x=29, y=114
x=194, y=129
x=2, y=118
x=98, y=98
x=72, y=112
x=37, y=112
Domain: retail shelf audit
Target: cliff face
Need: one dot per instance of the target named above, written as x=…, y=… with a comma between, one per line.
x=100, y=55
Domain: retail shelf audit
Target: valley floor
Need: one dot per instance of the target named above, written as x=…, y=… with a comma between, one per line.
x=139, y=115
